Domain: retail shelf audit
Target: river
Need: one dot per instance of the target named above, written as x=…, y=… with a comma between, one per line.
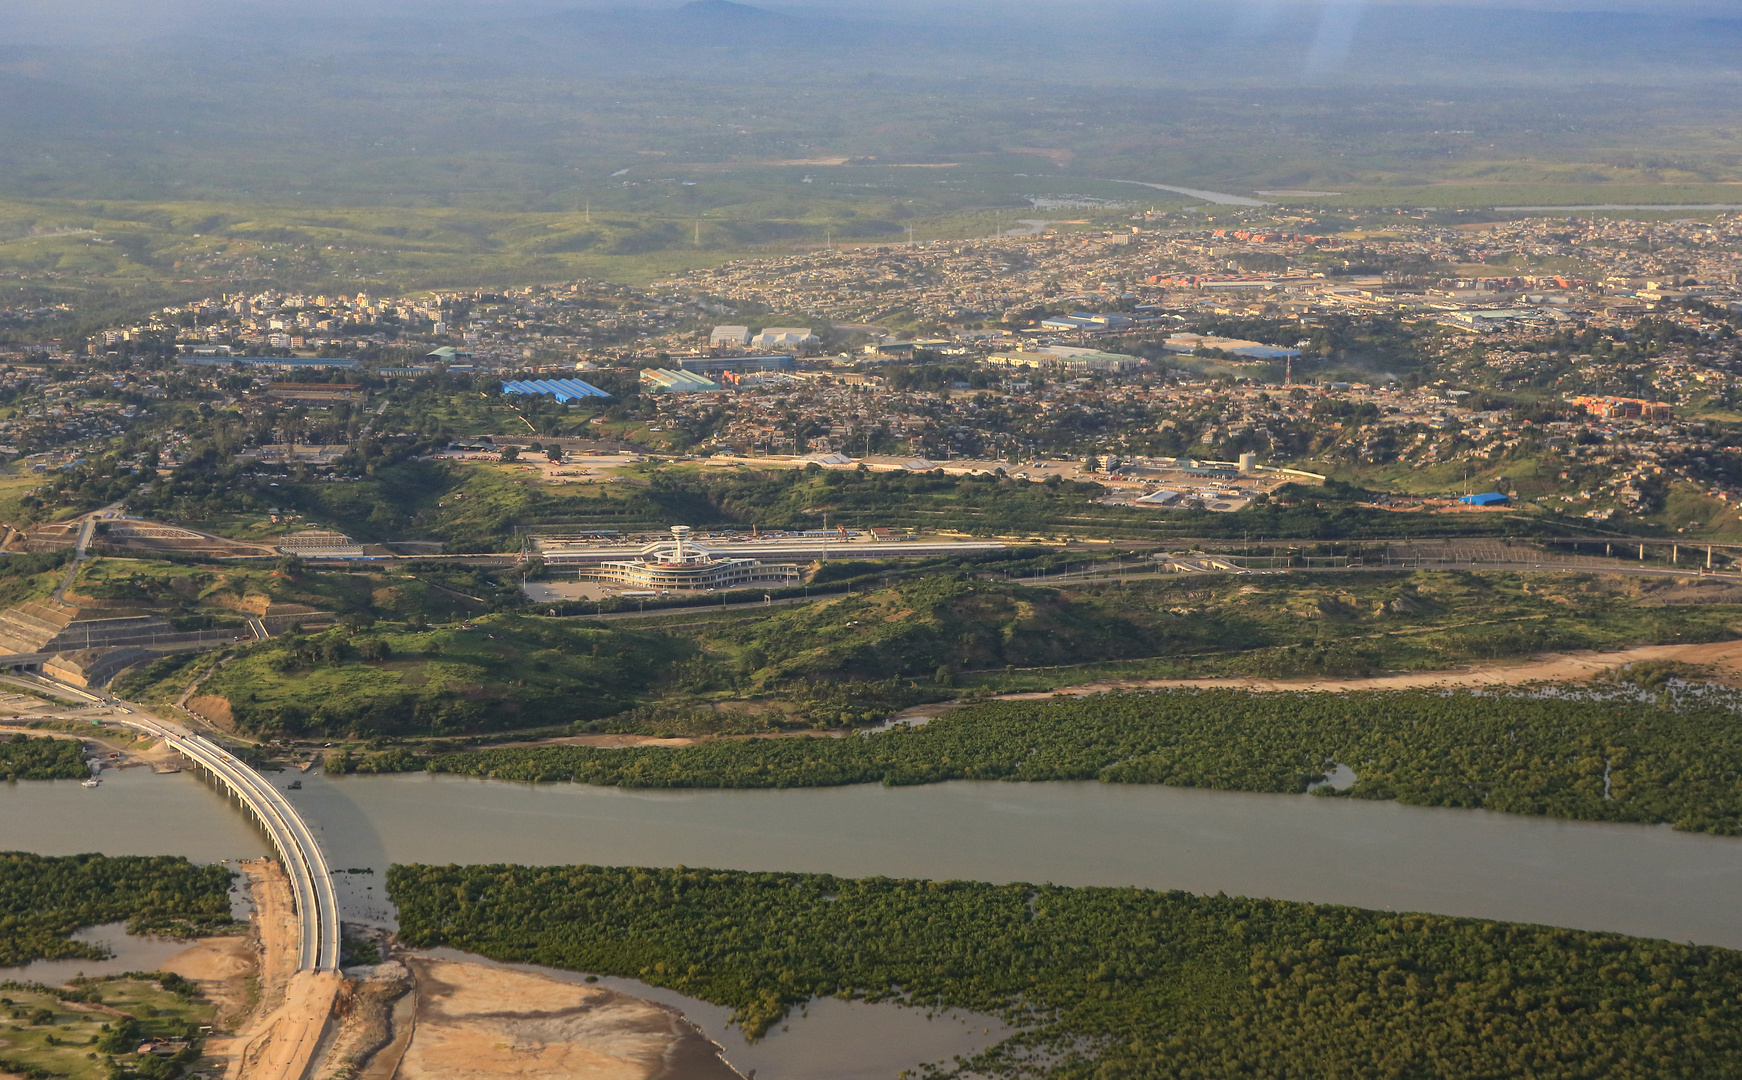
x=1643, y=880
x=1649, y=881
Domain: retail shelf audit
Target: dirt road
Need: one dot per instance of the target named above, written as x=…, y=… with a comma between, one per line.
x=1723, y=657
x=281, y=1037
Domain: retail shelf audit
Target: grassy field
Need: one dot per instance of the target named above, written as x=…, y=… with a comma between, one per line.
x=496, y=673
x=44, y=1033
x=111, y=257
x=928, y=634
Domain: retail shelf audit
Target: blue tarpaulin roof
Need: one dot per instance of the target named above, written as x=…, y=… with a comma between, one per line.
x=562, y=389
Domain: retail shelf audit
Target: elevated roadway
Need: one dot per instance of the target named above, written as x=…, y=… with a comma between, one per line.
x=311, y=880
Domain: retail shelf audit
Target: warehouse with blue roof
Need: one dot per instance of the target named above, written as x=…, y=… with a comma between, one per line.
x=564, y=390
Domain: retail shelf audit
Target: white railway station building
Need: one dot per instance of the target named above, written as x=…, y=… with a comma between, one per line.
x=679, y=564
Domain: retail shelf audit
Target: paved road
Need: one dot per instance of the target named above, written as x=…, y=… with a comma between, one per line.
x=311, y=880
x=1220, y=198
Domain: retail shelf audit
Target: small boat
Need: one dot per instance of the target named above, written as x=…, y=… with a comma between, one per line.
x=295, y=785
x=92, y=782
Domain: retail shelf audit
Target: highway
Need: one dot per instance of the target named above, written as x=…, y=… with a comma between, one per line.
x=317, y=905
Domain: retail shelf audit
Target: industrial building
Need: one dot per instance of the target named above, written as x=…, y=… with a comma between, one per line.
x=729, y=337
x=670, y=381
x=820, y=546
x=272, y=363
x=320, y=544
x=797, y=338
x=710, y=365
x=564, y=390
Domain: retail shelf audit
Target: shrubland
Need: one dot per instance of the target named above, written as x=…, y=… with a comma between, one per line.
x=498, y=673
x=25, y=758
x=44, y=899
x=906, y=635
x=1588, y=756
x=1109, y=983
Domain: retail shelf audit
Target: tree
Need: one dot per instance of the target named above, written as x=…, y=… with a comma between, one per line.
x=511, y=453
x=554, y=453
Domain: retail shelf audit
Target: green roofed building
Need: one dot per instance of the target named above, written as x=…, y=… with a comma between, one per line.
x=671, y=381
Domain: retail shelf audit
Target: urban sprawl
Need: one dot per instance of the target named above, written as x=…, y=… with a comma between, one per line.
x=1583, y=365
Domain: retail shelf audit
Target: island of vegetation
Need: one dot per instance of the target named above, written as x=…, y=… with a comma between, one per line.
x=1109, y=983
x=43, y=899
x=23, y=757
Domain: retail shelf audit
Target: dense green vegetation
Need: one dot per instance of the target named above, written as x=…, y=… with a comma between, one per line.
x=216, y=592
x=1589, y=757
x=907, y=634
x=1119, y=983
x=478, y=507
x=990, y=623
x=44, y=899
x=501, y=672
x=25, y=758
x=30, y=577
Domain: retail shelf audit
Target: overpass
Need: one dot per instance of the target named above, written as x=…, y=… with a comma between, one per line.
x=311, y=881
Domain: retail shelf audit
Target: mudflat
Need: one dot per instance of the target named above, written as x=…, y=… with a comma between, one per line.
x=478, y=1022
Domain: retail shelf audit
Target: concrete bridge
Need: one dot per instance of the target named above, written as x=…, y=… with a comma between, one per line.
x=311, y=880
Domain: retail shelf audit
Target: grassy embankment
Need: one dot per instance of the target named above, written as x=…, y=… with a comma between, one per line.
x=501, y=673
x=1118, y=983
x=848, y=660
x=477, y=507
x=30, y=577
x=213, y=593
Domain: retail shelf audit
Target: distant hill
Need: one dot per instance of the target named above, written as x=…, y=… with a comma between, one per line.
x=724, y=10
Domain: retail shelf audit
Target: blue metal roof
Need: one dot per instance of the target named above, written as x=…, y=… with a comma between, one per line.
x=1487, y=498
x=564, y=390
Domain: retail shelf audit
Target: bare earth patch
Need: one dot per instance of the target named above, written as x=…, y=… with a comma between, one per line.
x=476, y=1022
x=223, y=967
x=214, y=709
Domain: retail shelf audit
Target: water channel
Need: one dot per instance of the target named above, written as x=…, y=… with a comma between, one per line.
x=1649, y=881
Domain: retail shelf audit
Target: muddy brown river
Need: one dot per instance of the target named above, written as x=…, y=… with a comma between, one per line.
x=1648, y=881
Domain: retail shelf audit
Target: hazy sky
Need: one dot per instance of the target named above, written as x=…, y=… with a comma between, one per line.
x=112, y=23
